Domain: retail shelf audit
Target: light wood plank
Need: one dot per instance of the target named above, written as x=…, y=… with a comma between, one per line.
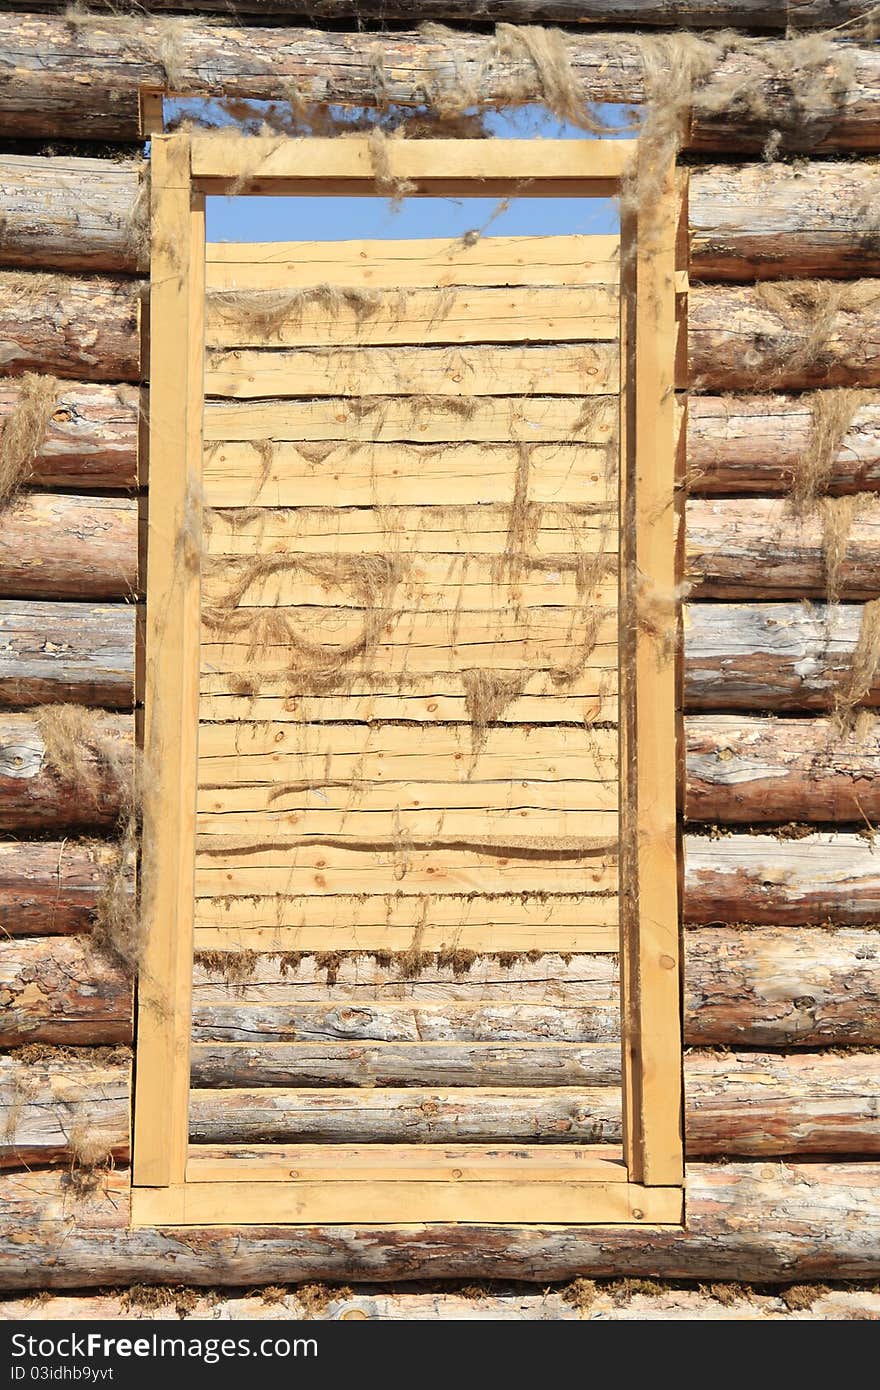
x=653, y=1139
x=429, y=262
x=516, y=938
x=408, y=1162
x=172, y=667
x=534, y=162
x=554, y=370
x=569, y=1202
x=362, y=821
x=257, y=318
x=586, y=420
x=372, y=474
x=338, y=795
x=412, y=704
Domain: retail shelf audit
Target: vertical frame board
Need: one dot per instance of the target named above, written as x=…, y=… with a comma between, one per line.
x=172, y=665
x=648, y=1186
x=650, y=950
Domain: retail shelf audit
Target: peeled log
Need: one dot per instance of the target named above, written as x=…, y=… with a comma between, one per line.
x=759, y=548
x=51, y=888
x=58, y=546
x=758, y=1104
x=744, y=987
x=63, y=1110
x=79, y=80
x=784, y=334
x=746, y=220
x=759, y=220
x=767, y=1222
x=69, y=327
x=92, y=439
x=782, y=987
x=610, y=1303
x=78, y=653
x=742, y=770
x=703, y=14
x=758, y=444
x=62, y=990
x=34, y=797
x=70, y=214
x=823, y=877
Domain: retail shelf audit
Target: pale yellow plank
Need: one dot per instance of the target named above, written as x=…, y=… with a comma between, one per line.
x=363, y=822
x=243, y=474
x=319, y=868
x=563, y=370
x=534, y=163
x=300, y=318
x=514, y=937
x=426, y=262
x=569, y=1202
x=587, y=420
x=407, y=1162
x=402, y=531
x=172, y=668
x=414, y=703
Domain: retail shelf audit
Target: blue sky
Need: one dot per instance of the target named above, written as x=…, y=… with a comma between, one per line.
x=343, y=219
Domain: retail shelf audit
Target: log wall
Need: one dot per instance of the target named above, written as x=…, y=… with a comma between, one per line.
x=781, y=884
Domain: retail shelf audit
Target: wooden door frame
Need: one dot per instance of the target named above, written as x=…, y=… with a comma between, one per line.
x=647, y=1188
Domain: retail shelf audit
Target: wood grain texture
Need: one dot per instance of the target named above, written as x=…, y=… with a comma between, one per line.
x=110, y=64
x=760, y=548
x=61, y=990
x=744, y=770
x=782, y=986
x=741, y=443
x=58, y=546
x=370, y=1302
x=765, y=219
x=79, y=653
x=792, y=338
x=768, y=1222
x=34, y=797
x=824, y=877
x=91, y=440
x=47, y=220
x=69, y=327
x=49, y=1112
x=52, y=887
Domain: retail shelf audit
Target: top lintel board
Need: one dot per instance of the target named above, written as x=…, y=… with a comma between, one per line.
x=531, y=163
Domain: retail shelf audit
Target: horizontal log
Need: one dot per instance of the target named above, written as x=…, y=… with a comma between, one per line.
x=784, y=334
x=782, y=987
x=587, y=1115
x=69, y=327
x=759, y=548
x=63, y=1111
x=71, y=214
x=758, y=1104
x=79, y=653
x=58, y=546
x=747, y=220
x=737, y=656
x=35, y=795
x=702, y=14
x=763, y=219
x=744, y=986
x=62, y=546
x=92, y=438
x=768, y=1222
x=52, y=888
x=759, y=444
x=824, y=877
x=401, y=1064
x=81, y=80
x=610, y=1303
x=742, y=770
x=61, y=990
